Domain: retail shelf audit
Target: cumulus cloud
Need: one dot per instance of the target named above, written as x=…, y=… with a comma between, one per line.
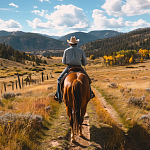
x=102, y=22
x=129, y=7
x=37, y=23
x=64, y=16
x=35, y=7
x=68, y=15
x=113, y=7
x=40, y=13
x=137, y=24
x=12, y=4
x=10, y=25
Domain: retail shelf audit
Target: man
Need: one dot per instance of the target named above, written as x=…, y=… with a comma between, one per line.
x=73, y=57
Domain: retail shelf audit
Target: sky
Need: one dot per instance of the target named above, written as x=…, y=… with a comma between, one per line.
x=61, y=17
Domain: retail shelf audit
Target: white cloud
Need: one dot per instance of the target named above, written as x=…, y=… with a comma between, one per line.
x=64, y=17
x=129, y=7
x=10, y=25
x=136, y=7
x=35, y=7
x=102, y=22
x=45, y=1
x=68, y=15
x=37, y=23
x=5, y=9
x=137, y=24
x=12, y=4
x=113, y=7
x=40, y=13
x=80, y=25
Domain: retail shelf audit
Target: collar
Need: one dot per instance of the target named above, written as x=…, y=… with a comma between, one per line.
x=73, y=46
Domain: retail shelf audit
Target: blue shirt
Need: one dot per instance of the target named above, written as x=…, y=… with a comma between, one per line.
x=74, y=56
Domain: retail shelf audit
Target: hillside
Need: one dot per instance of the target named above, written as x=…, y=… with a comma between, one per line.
x=32, y=42
x=23, y=41
x=84, y=37
x=130, y=41
x=105, y=33
x=91, y=36
x=16, y=33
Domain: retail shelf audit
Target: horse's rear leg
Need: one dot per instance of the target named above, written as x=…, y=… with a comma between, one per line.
x=83, y=111
x=69, y=113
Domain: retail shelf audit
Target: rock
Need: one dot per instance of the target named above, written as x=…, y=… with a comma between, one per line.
x=122, y=90
x=127, y=91
x=113, y=85
x=50, y=88
x=60, y=137
x=1, y=112
x=48, y=108
x=128, y=119
x=147, y=89
x=18, y=94
x=51, y=95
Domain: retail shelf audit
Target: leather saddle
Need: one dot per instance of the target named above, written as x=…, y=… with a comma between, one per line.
x=73, y=69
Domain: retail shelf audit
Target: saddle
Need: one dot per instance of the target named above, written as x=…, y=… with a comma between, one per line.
x=73, y=69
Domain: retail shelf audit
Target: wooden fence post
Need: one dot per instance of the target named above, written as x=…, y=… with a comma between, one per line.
x=12, y=85
x=22, y=82
x=42, y=77
x=5, y=87
x=19, y=80
x=16, y=84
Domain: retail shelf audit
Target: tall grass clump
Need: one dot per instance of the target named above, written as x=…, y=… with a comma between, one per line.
x=25, y=122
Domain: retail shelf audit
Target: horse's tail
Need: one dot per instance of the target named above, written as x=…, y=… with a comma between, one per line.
x=77, y=98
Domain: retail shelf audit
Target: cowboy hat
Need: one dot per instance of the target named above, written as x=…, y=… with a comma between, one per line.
x=73, y=40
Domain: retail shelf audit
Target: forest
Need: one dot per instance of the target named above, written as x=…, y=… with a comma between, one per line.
x=134, y=40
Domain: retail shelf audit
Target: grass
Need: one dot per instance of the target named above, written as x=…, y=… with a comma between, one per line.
x=24, y=134
x=103, y=128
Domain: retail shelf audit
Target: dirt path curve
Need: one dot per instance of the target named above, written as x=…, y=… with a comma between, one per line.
x=82, y=142
x=110, y=110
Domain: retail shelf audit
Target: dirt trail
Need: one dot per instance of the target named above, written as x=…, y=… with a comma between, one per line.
x=110, y=110
x=61, y=124
x=82, y=142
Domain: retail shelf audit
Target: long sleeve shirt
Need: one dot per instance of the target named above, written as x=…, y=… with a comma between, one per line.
x=74, y=56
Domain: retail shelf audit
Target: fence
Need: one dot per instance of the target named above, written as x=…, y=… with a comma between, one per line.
x=21, y=83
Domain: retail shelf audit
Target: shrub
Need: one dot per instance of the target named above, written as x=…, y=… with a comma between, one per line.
x=92, y=57
x=8, y=95
x=137, y=101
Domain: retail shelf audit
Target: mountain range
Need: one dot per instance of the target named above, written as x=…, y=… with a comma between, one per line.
x=26, y=41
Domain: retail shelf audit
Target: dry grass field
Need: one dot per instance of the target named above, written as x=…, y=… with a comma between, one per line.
x=125, y=88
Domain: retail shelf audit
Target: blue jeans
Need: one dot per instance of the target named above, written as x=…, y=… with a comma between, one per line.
x=59, y=96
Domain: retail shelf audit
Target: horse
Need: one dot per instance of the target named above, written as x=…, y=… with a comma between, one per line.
x=76, y=95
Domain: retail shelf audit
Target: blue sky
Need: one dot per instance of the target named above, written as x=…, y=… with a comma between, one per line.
x=60, y=17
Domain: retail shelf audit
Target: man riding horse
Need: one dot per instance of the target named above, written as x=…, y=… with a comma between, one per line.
x=72, y=57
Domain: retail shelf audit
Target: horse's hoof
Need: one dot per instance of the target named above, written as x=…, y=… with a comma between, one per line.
x=72, y=140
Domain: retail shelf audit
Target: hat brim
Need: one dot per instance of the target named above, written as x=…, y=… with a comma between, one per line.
x=73, y=42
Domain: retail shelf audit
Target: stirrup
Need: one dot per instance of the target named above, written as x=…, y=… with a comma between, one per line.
x=92, y=95
x=57, y=99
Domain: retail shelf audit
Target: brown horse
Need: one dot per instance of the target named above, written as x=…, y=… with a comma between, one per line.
x=76, y=95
